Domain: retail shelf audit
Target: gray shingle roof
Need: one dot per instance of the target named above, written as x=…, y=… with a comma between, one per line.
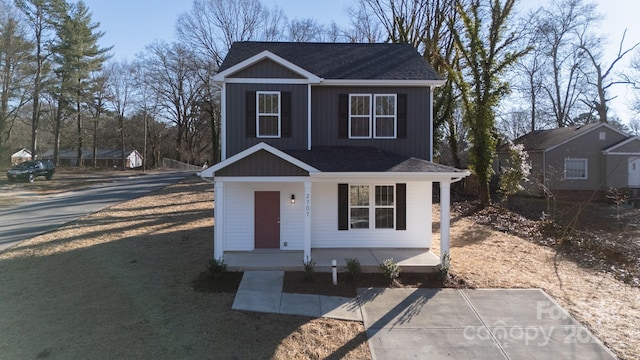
x=342, y=60
x=546, y=139
x=365, y=159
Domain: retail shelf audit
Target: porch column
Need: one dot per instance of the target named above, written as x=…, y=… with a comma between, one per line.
x=218, y=216
x=307, y=221
x=445, y=215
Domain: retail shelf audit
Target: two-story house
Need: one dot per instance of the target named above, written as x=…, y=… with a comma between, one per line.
x=325, y=146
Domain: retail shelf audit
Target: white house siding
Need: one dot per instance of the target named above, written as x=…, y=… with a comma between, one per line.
x=239, y=215
x=324, y=219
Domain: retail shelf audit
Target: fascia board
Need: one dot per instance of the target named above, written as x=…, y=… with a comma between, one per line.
x=221, y=76
x=381, y=82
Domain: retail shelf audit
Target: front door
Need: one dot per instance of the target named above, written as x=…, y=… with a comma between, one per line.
x=634, y=172
x=267, y=220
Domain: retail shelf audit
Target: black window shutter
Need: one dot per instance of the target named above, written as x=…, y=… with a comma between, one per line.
x=402, y=116
x=285, y=114
x=343, y=206
x=343, y=116
x=251, y=113
x=401, y=206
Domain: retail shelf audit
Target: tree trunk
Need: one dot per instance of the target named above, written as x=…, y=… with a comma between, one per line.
x=79, y=161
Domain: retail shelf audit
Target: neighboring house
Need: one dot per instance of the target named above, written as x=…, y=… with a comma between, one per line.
x=327, y=146
x=579, y=160
x=104, y=158
x=19, y=156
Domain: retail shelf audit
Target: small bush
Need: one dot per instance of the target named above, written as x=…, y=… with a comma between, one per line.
x=443, y=271
x=390, y=268
x=354, y=268
x=309, y=269
x=216, y=267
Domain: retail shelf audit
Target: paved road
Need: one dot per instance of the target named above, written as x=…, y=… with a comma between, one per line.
x=25, y=221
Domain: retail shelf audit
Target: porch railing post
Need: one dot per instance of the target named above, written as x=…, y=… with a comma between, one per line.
x=445, y=215
x=218, y=216
x=307, y=221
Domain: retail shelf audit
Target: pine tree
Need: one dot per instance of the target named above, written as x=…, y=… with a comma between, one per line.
x=77, y=55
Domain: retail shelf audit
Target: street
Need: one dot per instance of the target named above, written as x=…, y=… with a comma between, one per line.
x=25, y=221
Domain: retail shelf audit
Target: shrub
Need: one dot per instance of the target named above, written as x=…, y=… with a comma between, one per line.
x=353, y=267
x=443, y=271
x=216, y=267
x=309, y=269
x=390, y=268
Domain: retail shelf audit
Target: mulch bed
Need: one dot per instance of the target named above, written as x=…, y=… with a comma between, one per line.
x=295, y=283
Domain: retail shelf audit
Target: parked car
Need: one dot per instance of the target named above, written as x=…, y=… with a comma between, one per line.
x=29, y=170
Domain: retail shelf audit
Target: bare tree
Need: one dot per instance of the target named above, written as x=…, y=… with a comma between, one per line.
x=121, y=88
x=213, y=26
x=171, y=73
x=561, y=31
x=305, y=30
x=363, y=28
x=602, y=81
x=97, y=105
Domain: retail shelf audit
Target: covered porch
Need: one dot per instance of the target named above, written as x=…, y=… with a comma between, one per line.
x=410, y=260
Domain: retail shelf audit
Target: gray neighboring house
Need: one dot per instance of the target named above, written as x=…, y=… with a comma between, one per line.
x=578, y=160
x=327, y=145
x=104, y=158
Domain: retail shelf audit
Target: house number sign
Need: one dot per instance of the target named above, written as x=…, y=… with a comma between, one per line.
x=307, y=204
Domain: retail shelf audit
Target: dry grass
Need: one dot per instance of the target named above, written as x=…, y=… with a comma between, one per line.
x=117, y=284
x=491, y=259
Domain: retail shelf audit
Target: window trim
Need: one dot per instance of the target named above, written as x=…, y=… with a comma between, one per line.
x=395, y=116
x=278, y=114
x=351, y=116
x=372, y=206
x=586, y=169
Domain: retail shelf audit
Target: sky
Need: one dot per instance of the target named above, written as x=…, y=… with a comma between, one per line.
x=130, y=25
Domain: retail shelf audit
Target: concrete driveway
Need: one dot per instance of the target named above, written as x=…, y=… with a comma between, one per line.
x=438, y=323
x=473, y=324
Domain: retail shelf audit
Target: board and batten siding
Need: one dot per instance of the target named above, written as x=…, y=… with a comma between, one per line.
x=324, y=219
x=324, y=115
x=240, y=221
x=236, y=114
x=266, y=69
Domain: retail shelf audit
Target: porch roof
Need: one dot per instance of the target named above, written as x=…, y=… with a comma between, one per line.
x=330, y=161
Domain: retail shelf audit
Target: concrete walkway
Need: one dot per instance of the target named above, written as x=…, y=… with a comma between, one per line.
x=440, y=323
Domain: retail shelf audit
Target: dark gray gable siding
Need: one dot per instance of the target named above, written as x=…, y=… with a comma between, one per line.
x=325, y=120
x=262, y=163
x=266, y=69
x=237, y=139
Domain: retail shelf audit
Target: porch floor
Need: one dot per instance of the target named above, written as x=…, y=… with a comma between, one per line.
x=410, y=260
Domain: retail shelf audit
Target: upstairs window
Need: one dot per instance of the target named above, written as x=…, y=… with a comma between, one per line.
x=359, y=116
x=372, y=116
x=268, y=114
x=575, y=168
x=385, y=117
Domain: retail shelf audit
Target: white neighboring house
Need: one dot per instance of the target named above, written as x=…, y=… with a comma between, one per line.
x=327, y=146
x=19, y=156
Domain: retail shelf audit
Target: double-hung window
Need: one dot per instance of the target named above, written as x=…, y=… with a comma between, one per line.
x=575, y=168
x=385, y=115
x=359, y=116
x=373, y=116
x=268, y=114
x=365, y=204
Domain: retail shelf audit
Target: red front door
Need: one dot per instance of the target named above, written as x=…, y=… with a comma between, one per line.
x=267, y=219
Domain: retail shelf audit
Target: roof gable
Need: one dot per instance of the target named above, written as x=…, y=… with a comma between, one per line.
x=209, y=172
x=628, y=146
x=262, y=163
x=546, y=140
x=337, y=61
x=225, y=72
